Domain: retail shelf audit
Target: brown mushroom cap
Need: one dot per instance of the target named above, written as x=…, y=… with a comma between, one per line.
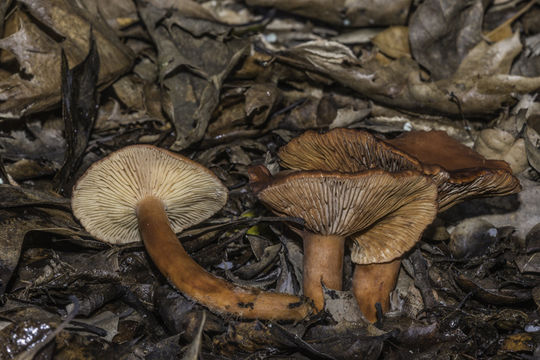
x=469, y=174
x=107, y=209
x=343, y=150
x=394, y=207
x=459, y=172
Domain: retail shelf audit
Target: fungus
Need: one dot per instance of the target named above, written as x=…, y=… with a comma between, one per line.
x=467, y=173
x=459, y=173
x=143, y=192
x=343, y=150
x=390, y=210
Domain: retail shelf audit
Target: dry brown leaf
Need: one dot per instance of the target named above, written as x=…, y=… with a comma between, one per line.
x=498, y=144
x=441, y=34
x=37, y=86
x=394, y=42
x=354, y=13
x=195, y=56
x=480, y=87
x=504, y=30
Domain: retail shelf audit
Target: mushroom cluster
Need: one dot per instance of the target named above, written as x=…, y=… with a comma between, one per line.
x=381, y=194
x=344, y=184
x=145, y=193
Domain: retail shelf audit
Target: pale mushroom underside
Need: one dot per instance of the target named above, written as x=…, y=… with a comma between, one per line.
x=105, y=198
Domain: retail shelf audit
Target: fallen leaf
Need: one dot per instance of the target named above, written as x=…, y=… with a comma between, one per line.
x=79, y=110
x=393, y=42
x=37, y=86
x=354, y=13
x=442, y=33
x=497, y=144
x=479, y=87
x=196, y=55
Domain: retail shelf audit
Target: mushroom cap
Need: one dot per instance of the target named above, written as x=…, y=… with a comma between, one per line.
x=343, y=150
x=469, y=174
x=459, y=172
x=105, y=198
x=395, y=207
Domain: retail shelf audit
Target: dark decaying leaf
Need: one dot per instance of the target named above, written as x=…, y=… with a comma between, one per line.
x=42, y=144
x=529, y=263
x=480, y=86
x=29, y=327
x=37, y=86
x=15, y=225
x=193, y=350
x=528, y=63
x=484, y=291
x=3, y=9
x=79, y=110
x=342, y=306
x=4, y=177
x=196, y=56
x=532, y=239
x=442, y=33
x=167, y=348
x=14, y=196
x=345, y=13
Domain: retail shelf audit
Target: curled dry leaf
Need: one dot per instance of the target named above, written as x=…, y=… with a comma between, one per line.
x=497, y=144
x=36, y=86
x=481, y=85
x=195, y=56
x=532, y=141
x=352, y=13
x=442, y=33
x=393, y=42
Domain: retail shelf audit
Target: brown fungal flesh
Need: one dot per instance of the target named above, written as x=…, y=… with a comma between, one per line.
x=149, y=193
x=459, y=173
x=343, y=150
x=336, y=205
x=372, y=284
x=468, y=174
x=323, y=263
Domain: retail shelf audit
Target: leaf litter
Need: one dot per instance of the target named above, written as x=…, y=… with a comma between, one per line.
x=227, y=84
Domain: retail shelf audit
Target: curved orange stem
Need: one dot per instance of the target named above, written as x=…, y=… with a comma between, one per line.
x=196, y=283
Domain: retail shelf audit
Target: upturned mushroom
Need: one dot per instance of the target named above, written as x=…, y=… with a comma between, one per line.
x=143, y=192
x=459, y=173
x=335, y=205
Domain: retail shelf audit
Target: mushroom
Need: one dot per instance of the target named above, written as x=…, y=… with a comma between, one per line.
x=143, y=192
x=459, y=172
x=343, y=150
x=467, y=174
x=389, y=209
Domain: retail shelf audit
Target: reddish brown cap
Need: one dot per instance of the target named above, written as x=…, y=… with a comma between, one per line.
x=105, y=198
x=469, y=174
x=394, y=207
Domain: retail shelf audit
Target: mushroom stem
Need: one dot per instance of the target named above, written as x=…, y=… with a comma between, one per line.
x=196, y=283
x=323, y=263
x=372, y=284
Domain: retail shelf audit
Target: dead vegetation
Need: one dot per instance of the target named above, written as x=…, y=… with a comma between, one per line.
x=228, y=84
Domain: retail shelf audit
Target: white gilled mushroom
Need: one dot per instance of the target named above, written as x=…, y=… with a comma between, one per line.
x=143, y=192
